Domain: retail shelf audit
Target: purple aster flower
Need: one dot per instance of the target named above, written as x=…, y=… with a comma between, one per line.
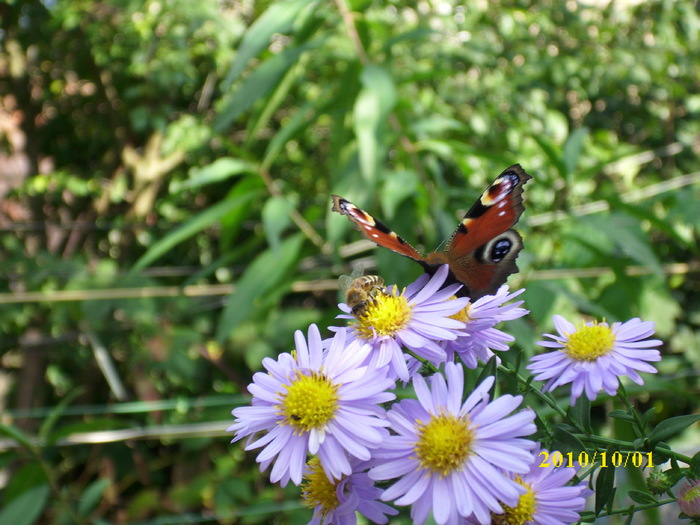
x=592, y=356
x=452, y=457
x=336, y=501
x=689, y=498
x=417, y=319
x=478, y=340
x=548, y=499
x=324, y=403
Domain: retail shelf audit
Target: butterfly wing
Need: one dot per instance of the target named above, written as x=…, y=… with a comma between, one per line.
x=375, y=230
x=482, y=250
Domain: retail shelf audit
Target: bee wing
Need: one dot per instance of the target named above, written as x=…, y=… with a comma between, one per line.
x=344, y=283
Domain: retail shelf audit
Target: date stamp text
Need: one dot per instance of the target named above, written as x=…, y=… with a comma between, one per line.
x=584, y=459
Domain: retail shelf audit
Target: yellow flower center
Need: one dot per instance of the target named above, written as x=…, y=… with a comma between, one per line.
x=310, y=402
x=444, y=443
x=318, y=490
x=464, y=314
x=385, y=315
x=692, y=494
x=523, y=512
x=588, y=343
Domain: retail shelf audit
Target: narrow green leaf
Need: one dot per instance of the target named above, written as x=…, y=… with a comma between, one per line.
x=219, y=170
x=24, y=477
x=57, y=411
x=257, y=85
x=189, y=228
x=490, y=369
x=646, y=418
x=26, y=508
x=261, y=120
x=620, y=414
x=553, y=154
x=695, y=464
x=372, y=106
x=91, y=496
x=670, y=427
x=581, y=412
x=565, y=441
x=641, y=497
x=298, y=122
x=16, y=434
x=279, y=18
x=265, y=272
x=572, y=149
x=398, y=187
x=275, y=219
x=604, y=487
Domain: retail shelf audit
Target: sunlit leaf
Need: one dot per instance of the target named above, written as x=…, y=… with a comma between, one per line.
x=279, y=18
x=374, y=103
x=189, y=228
x=266, y=271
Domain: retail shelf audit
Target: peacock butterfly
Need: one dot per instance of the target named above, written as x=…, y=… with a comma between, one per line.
x=481, y=252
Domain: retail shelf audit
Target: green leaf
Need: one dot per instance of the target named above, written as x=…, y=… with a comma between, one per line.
x=670, y=427
x=621, y=414
x=581, y=413
x=189, y=228
x=695, y=464
x=565, y=441
x=91, y=496
x=279, y=18
x=572, y=149
x=265, y=272
x=641, y=497
x=50, y=421
x=25, y=508
x=398, y=187
x=219, y=170
x=301, y=118
x=604, y=487
x=24, y=478
x=275, y=219
x=16, y=434
x=490, y=369
x=257, y=85
x=553, y=154
x=372, y=106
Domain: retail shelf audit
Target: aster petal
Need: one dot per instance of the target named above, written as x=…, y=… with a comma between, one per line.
x=415, y=485
x=647, y=343
x=563, y=326
x=480, y=394
x=442, y=500
x=465, y=503
x=499, y=408
x=411, y=487
x=416, y=285
x=334, y=460
x=455, y=382
x=432, y=286
x=302, y=350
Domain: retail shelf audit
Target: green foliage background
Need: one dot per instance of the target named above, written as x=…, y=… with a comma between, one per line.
x=166, y=169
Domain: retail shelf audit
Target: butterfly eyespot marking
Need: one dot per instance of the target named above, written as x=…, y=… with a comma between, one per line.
x=498, y=249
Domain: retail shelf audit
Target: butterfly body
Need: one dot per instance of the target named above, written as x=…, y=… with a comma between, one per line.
x=482, y=250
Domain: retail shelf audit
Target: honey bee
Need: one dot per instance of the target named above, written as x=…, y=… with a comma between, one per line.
x=360, y=292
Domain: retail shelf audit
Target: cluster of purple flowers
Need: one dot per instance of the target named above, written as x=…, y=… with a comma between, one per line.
x=463, y=455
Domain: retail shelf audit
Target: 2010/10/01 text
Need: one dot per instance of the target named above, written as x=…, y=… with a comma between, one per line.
x=583, y=459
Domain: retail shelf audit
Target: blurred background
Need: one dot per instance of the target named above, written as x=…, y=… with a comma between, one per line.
x=165, y=177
